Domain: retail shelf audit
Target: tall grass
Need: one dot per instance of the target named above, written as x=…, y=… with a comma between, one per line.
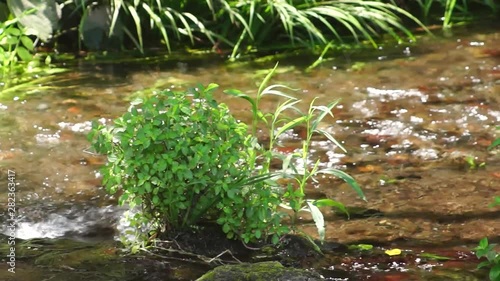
x=307, y=23
x=169, y=18
x=237, y=26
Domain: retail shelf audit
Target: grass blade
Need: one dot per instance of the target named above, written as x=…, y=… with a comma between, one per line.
x=347, y=178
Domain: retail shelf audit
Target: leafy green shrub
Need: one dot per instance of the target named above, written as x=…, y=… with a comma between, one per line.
x=254, y=215
x=486, y=250
x=178, y=155
x=14, y=45
x=182, y=157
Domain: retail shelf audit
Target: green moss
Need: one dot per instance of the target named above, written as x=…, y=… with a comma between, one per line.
x=263, y=271
x=74, y=257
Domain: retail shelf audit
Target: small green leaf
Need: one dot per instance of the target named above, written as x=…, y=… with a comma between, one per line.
x=291, y=124
x=494, y=144
x=331, y=203
x=434, y=257
x=27, y=43
x=483, y=243
x=23, y=53
x=363, y=247
x=495, y=272
x=240, y=94
x=496, y=202
x=226, y=228
x=483, y=264
x=13, y=32
x=275, y=239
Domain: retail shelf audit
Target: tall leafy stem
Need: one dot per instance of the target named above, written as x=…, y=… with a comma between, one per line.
x=278, y=123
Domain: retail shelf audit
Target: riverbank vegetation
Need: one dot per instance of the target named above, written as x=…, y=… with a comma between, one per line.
x=231, y=27
x=33, y=33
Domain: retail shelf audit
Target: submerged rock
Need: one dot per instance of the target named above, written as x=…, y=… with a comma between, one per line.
x=261, y=271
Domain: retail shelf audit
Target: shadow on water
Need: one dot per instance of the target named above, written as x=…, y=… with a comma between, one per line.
x=410, y=116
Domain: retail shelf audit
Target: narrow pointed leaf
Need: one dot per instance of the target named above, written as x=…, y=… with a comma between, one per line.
x=291, y=124
x=347, y=178
x=331, y=203
x=240, y=94
x=318, y=218
x=331, y=138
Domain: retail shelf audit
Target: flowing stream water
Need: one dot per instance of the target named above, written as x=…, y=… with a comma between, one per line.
x=414, y=118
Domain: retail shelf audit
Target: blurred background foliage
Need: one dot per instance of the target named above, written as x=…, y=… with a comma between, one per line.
x=232, y=27
x=32, y=32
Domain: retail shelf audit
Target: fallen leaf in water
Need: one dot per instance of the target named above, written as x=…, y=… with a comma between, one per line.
x=492, y=52
x=398, y=159
x=66, y=136
x=496, y=175
x=6, y=155
x=393, y=252
x=370, y=169
x=74, y=110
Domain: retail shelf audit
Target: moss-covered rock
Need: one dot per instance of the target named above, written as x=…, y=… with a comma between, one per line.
x=263, y=271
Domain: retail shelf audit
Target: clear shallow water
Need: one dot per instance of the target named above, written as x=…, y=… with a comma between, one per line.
x=411, y=113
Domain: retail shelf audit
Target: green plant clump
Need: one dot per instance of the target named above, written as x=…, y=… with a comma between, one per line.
x=14, y=45
x=298, y=169
x=177, y=155
x=486, y=250
x=21, y=72
x=183, y=158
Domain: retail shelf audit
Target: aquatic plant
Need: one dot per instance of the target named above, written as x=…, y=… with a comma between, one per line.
x=177, y=154
x=472, y=164
x=230, y=25
x=487, y=250
x=295, y=166
x=21, y=72
x=238, y=25
x=182, y=157
x=310, y=24
x=243, y=25
x=15, y=45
